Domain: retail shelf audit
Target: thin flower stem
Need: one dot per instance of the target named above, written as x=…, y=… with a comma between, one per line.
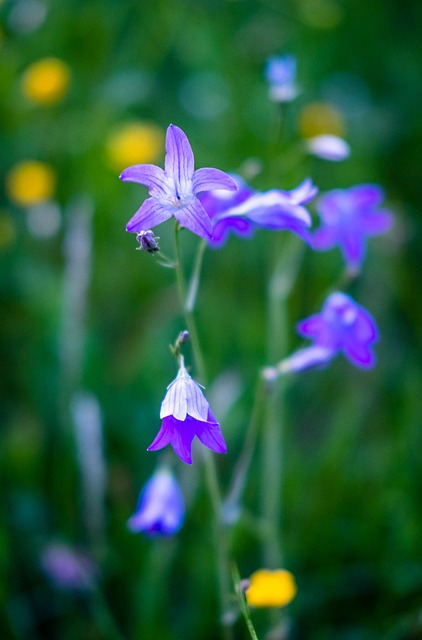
x=196, y=276
x=242, y=602
x=181, y=284
x=210, y=470
x=103, y=616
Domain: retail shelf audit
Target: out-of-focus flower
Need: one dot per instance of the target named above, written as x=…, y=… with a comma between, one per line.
x=186, y=413
x=271, y=588
x=220, y=201
x=161, y=509
x=328, y=147
x=174, y=190
x=135, y=142
x=67, y=568
x=343, y=326
x=348, y=216
x=280, y=73
x=30, y=182
x=277, y=210
x=320, y=118
x=46, y=81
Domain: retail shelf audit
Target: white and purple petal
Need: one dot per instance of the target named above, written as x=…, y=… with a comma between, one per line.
x=194, y=217
x=149, y=175
x=209, y=179
x=149, y=215
x=179, y=160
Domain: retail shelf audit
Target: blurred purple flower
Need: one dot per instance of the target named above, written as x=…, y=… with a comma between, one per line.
x=160, y=510
x=280, y=73
x=348, y=216
x=66, y=567
x=328, y=147
x=220, y=201
x=174, y=190
x=186, y=414
x=343, y=326
x=277, y=210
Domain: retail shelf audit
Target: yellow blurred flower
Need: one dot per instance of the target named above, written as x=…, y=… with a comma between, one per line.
x=46, y=81
x=135, y=143
x=318, y=118
x=271, y=588
x=30, y=182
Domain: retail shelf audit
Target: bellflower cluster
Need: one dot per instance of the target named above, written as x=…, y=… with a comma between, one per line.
x=161, y=508
x=343, y=326
x=280, y=73
x=174, y=190
x=219, y=202
x=276, y=210
x=348, y=217
x=186, y=413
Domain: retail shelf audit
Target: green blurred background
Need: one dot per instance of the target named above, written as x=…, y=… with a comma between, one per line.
x=84, y=313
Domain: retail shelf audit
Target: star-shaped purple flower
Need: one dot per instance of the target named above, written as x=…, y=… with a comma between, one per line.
x=161, y=508
x=348, y=217
x=220, y=201
x=277, y=210
x=174, y=190
x=186, y=413
x=343, y=326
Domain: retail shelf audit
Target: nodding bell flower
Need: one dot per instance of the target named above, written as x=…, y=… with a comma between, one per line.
x=280, y=73
x=161, y=508
x=185, y=414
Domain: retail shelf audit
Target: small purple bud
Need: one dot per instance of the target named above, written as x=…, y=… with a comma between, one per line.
x=147, y=241
x=183, y=337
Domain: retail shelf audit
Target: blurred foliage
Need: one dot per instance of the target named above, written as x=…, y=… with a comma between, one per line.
x=351, y=498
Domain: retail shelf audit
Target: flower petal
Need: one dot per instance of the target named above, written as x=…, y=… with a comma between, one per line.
x=208, y=179
x=194, y=217
x=353, y=248
x=148, y=215
x=304, y=192
x=375, y=223
x=175, y=402
x=183, y=434
x=359, y=354
x=209, y=433
x=163, y=437
x=197, y=405
x=179, y=161
x=324, y=238
x=311, y=327
x=148, y=174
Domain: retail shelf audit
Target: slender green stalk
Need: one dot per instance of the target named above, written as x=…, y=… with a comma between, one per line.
x=210, y=471
x=242, y=602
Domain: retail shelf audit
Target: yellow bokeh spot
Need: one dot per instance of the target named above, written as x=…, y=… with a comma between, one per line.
x=318, y=118
x=135, y=143
x=46, y=81
x=271, y=588
x=30, y=182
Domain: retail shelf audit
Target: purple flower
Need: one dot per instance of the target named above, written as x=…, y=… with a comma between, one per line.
x=220, y=201
x=186, y=414
x=161, y=509
x=277, y=210
x=343, y=326
x=66, y=567
x=348, y=216
x=174, y=190
x=280, y=73
x=328, y=147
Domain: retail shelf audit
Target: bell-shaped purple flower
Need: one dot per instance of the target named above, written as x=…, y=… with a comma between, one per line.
x=343, y=326
x=161, y=508
x=186, y=413
x=348, y=217
x=280, y=73
x=174, y=190
x=277, y=210
x=222, y=201
x=68, y=568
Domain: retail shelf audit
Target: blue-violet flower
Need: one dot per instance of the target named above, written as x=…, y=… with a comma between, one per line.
x=343, y=326
x=221, y=201
x=348, y=216
x=280, y=73
x=161, y=508
x=186, y=413
x=174, y=190
x=277, y=210
x=328, y=147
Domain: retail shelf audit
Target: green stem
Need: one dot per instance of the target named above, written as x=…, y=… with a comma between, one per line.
x=210, y=470
x=242, y=602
